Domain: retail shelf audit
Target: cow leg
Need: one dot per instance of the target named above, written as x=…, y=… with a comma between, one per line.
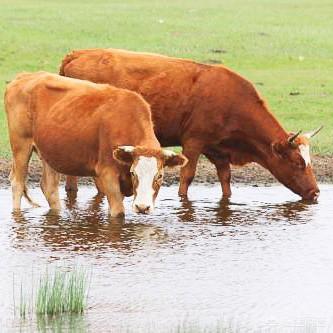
x=110, y=184
x=192, y=151
x=50, y=186
x=222, y=166
x=22, y=151
x=71, y=184
x=99, y=186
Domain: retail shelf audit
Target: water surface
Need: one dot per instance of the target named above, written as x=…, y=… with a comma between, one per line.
x=261, y=262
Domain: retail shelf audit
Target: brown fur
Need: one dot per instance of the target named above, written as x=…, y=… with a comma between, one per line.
x=208, y=110
x=75, y=126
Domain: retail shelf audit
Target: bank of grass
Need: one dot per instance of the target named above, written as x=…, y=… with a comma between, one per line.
x=284, y=47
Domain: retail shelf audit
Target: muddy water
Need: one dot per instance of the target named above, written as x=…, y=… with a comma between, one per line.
x=262, y=262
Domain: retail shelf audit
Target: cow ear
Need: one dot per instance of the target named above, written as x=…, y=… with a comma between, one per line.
x=171, y=159
x=124, y=154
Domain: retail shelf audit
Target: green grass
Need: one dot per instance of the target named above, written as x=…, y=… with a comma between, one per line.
x=56, y=293
x=62, y=293
x=24, y=308
x=283, y=46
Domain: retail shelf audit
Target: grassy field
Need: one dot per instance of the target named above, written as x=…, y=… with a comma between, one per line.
x=285, y=47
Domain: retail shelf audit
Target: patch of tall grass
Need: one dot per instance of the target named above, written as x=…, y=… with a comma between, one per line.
x=62, y=293
x=56, y=293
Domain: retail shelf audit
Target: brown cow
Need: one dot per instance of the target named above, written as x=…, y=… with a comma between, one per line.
x=81, y=128
x=205, y=109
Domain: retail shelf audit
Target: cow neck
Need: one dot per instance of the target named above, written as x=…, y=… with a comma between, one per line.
x=261, y=131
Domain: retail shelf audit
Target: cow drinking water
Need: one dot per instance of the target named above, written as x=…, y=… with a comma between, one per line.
x=206, y=109
x=81, y=128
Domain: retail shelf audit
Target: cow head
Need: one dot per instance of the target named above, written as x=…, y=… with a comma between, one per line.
x=291, y=164
x=147, y=170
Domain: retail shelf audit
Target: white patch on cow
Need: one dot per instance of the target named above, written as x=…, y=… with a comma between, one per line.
x=305, y=153
x=145, y=169
x=168, y=153
x=127, y=149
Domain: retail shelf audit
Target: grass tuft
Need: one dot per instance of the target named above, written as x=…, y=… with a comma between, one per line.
x=62, y=293
x=56, y=293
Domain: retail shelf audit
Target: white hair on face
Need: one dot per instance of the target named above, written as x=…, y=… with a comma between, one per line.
x=305, y=153
x=145, y=169
x=127, y=149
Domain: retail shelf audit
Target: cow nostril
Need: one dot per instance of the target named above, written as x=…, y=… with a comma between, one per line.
x=313, y=195
x=142, y=209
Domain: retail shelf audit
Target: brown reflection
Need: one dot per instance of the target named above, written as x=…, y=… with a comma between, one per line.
x=20, y=231
x=186, y=212
x=70, y=201
x=295, y=212
x=88, y=228
x=229, y=213
x=85, y=229
x=221, y=214
x=93, y=213
x=224, y=211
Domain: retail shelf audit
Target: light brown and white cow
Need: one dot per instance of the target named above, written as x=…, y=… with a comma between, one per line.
x=81, y=128
x=206, y=109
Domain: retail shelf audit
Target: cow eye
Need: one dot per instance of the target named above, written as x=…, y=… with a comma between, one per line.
x=132, y=173
x=159, y=176
x=301, y=163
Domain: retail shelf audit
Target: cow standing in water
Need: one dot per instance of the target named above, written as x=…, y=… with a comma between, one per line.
x=206, y=109
x=81, y=128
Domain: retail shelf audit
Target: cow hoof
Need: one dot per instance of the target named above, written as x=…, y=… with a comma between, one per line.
x=182, y=195
x=70, y=189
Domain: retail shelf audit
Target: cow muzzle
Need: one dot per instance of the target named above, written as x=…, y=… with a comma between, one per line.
x=143, y=209
x=312, y=195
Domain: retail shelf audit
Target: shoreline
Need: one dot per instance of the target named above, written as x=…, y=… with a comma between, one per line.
x=251, y=174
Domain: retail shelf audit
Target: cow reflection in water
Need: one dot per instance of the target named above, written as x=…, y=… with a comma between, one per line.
x=230, y=213
x=90, y=229
x=186, y=211
x=84, y=230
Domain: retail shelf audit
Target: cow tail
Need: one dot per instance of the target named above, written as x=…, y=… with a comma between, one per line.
x=26, y=195
x=25, y=189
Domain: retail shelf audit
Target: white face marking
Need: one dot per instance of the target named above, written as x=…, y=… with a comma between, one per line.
x=146, y=169
x=127, y=149
x=305, y=152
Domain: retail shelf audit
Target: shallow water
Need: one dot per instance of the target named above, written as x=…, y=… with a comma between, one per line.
x=262, y=262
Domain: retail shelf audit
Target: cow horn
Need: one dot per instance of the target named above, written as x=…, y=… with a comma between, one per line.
x=293, y=137
x=309, y=135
